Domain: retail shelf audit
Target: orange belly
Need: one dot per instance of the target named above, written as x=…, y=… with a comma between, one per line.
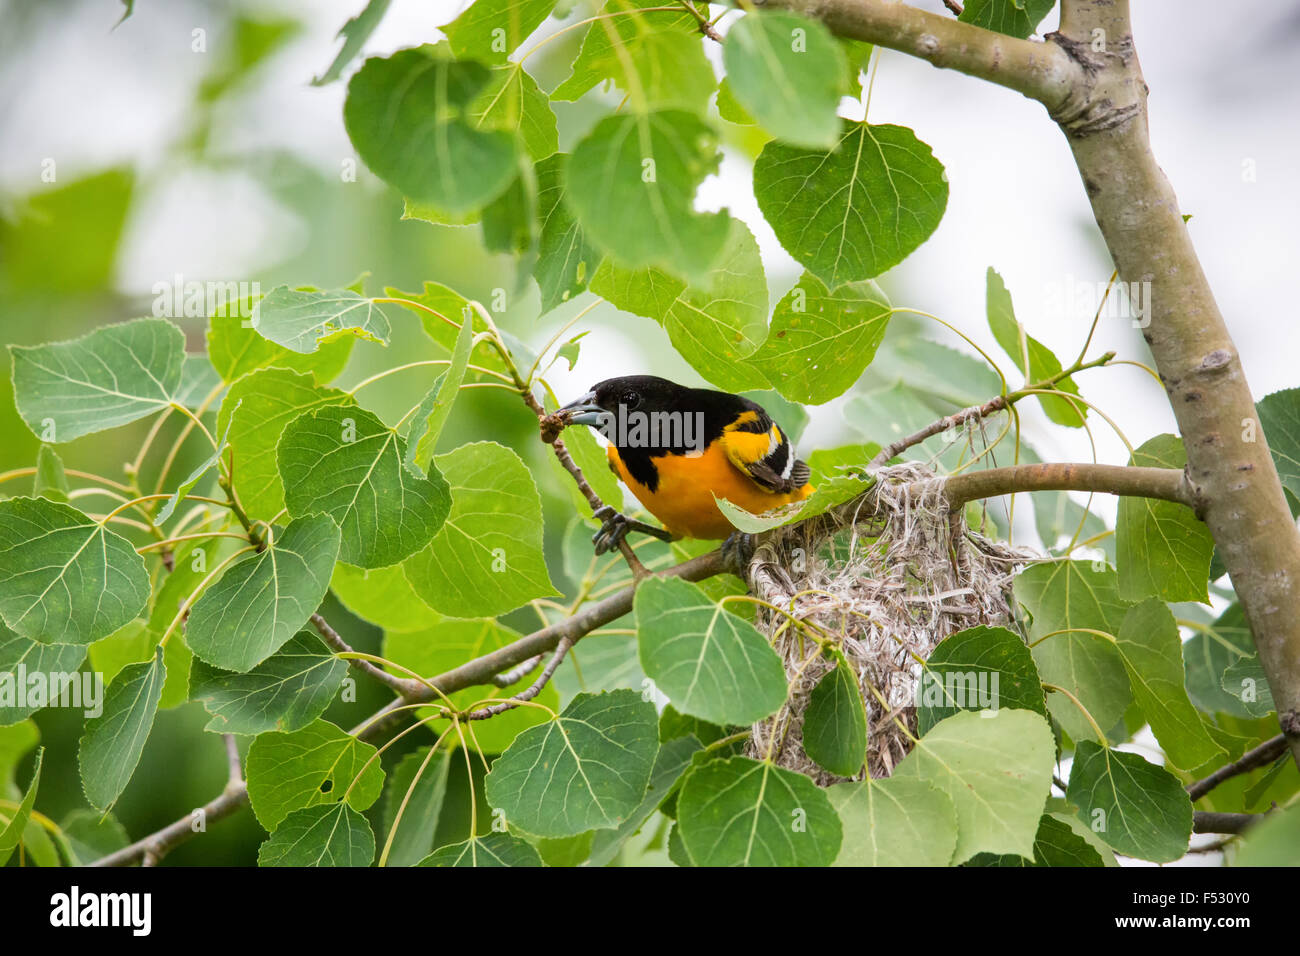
x=684, y=502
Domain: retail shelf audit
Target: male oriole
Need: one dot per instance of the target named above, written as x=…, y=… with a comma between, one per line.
x=679, y=449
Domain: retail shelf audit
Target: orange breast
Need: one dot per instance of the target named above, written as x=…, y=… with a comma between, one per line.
x=684, y=499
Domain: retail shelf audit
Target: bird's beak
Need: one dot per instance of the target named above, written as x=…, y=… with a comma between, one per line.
x=585, y=411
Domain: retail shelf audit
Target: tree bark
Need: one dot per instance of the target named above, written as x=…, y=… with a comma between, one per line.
x=1238, y=493
x=1088, y=76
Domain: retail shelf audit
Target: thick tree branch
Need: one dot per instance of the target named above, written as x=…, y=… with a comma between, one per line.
x=1088, y=76
x=1238, y=492
x=1041, y=71
x=1165, y=484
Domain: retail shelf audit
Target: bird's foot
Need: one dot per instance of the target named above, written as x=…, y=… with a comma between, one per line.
x=615, y=527
x=737, y=551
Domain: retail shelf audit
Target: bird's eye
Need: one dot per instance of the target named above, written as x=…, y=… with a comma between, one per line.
x=631, y=399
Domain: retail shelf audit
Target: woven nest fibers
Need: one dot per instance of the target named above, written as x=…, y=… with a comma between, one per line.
x=885, y=579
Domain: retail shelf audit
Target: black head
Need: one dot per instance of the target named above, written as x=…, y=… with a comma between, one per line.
x=632, y=393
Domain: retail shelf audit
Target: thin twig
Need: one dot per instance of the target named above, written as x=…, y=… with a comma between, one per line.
x=514, y=676
x=1204, y=821
x=529, y=692
x=1265, y=753
x=340, y=646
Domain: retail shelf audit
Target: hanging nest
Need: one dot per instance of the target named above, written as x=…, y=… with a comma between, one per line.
x=886, y=577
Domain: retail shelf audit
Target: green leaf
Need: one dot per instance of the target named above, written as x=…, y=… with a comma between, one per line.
x=895, y=821
x=19, y=655
x=64, y=578
x=1247, y=681
x=264, y=599
x=254, y=415
x=674, y=759
x=597, y=754
x=236, y=349
x=1272, y=841
x=639, y=174
x=789, y=73
x=450, y=643
x=12, y=831
x=201, y=470
x=835, y=724
x=820, y=341
x=976, y=669
x=1076, y=597
x=511, y=101
x=344, y=462
x=112, y=743
x=50, y=481
x=383, y=597
x=714, y=326
x=199, y=380
x=1055, y=844
x=491, y=849
x=314, y=765
x=857, y=210
x=742, y=812
x=111, y=377
x=420, y=810
x=408, y=115
x=996, y=767
x=327, y=835
x=435, y=408
x=1034, y=359
x=302, y=321
x=1151, y=648
x=510, y=220
x=487, y=559
x=1017, y=18
x=729, y=107
x=490, y=30
x=1139, y=809
x=91, y=835
x=1162, y=549
x=655, y=57
x=1279, y=415
x=354, y=34
x=287, y=691
x=711, y=664
x=1207, y=656
x=566, y=260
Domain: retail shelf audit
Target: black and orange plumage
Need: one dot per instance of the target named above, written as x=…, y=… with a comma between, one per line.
x=679, y=449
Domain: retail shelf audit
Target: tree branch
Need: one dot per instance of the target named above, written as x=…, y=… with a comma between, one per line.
x=1265, y=753
x=1041, y=71
x=1165, y=484
x=1205, y=821
x=978, y=412
x=1088, y=76
x=1239, y=495
x=340, y=646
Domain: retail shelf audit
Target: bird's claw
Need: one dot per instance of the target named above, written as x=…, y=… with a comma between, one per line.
x=614, y=528
x=737, y=551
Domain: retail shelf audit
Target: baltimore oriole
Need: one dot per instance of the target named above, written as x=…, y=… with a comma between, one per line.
x=679, y=449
